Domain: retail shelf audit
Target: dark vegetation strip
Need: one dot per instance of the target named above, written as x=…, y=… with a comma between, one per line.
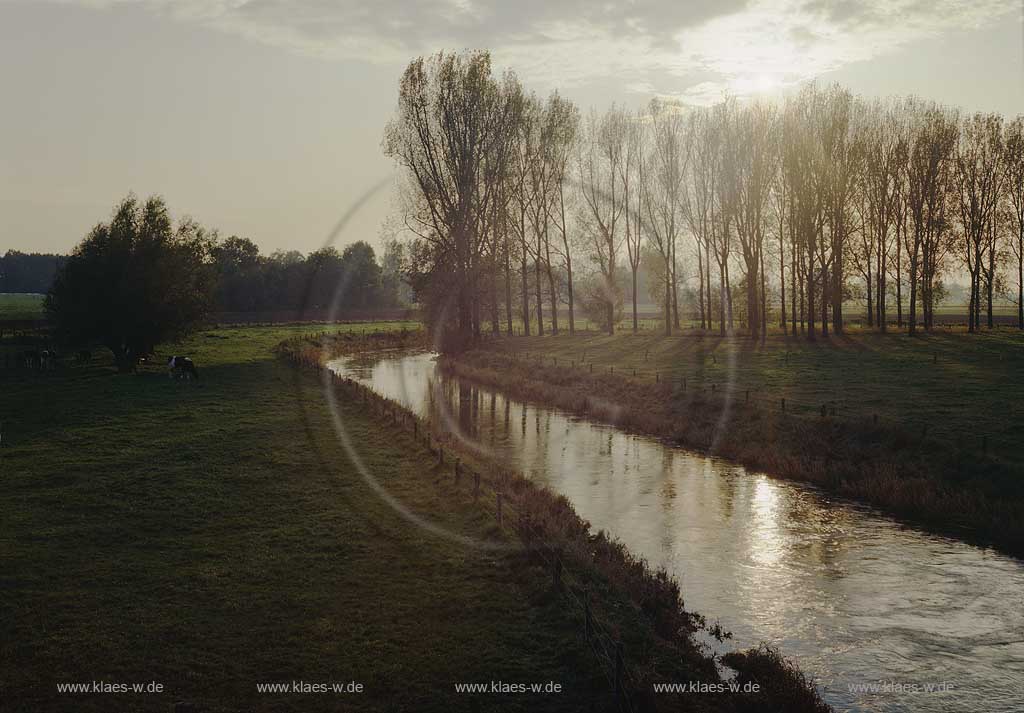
x=939, y=484
x=613, y=595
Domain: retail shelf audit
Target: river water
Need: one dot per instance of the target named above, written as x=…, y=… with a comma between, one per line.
x=855, y=598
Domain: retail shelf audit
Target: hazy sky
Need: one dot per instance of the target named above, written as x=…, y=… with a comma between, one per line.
x=264, y=118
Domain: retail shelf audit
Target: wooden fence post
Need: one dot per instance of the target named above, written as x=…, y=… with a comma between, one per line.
x=586, y=614
x=619, y=688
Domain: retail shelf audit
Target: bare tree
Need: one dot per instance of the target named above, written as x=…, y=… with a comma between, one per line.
x=698, y=197
x=842, y=152
x=450, y=121
x=977, y=182
x=664, y=192
x=723, y=221
x=522, y=197
x=885, y=158
x=932, y=143
x=563, y=138
x=752, y=150
x=600, y=161
x=631, y=176
x=799, y=196
x=539, y=187
x=779, y=205
x=494, y=196
x=1013, y=165
x=800, y=167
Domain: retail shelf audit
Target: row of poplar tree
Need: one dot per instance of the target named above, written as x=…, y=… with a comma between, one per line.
x=764, y=212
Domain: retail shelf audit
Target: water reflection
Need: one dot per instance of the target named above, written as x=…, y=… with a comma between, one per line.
x=851, y=595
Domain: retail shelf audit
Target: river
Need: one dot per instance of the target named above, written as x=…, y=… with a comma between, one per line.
x=854, y=597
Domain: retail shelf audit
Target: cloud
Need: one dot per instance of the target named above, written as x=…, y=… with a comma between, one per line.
x=783, y=42
x=697, y=49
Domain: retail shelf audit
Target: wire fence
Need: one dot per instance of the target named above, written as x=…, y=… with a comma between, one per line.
x=721, y=388
x=495, y=491
x=694, y=381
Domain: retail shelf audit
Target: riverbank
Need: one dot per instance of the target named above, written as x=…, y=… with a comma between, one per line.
x=701, y=394
x=614, y=595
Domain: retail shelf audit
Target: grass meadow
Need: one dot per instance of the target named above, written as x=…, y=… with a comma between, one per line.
x=963, y=387
x=20, y=306
x=211, y=535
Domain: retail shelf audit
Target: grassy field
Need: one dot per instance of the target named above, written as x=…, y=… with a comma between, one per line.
x=649, y=318
x=212, y=535
x=20, y=306
x=964, y=387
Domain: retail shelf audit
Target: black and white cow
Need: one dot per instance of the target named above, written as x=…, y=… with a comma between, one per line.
x=48, y=359
x=181, y=367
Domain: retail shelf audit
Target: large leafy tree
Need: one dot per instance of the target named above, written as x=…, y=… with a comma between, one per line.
x=134, y=282
x=453, y=134
x=240, y=270
x=362, y=276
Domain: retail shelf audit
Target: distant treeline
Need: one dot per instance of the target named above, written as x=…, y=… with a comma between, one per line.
x=250, y=282
x=28, y=272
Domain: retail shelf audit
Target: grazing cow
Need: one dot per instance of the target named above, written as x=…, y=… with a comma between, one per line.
x=32, y=359
x=47, y=359
x=181, y=367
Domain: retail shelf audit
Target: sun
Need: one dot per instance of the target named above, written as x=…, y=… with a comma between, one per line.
x=750, y=84
x=765, y=83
